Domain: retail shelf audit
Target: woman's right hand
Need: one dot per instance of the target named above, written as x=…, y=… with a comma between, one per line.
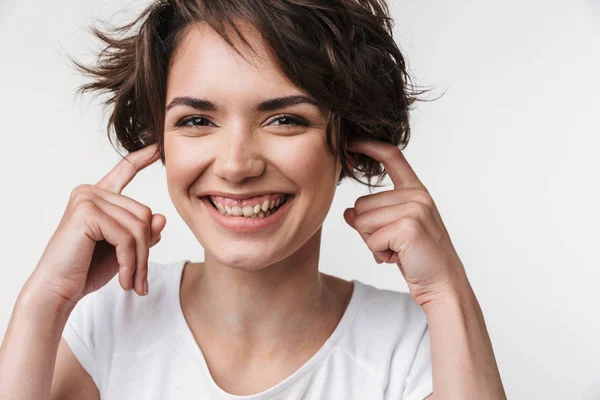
x=100, y=234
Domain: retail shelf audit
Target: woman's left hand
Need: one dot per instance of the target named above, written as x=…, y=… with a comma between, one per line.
x=403, y=226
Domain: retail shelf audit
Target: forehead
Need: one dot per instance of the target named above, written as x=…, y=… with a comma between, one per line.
x=204, y=64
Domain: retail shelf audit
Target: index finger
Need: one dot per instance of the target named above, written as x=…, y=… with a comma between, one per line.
x=396, y=165
x=120, y=176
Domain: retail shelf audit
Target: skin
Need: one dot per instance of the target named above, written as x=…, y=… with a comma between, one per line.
x=294, y=308
x=279, y=309
x=403, y=226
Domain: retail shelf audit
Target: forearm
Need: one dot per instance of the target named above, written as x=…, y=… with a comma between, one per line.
x=29, y=348
x=463, y=362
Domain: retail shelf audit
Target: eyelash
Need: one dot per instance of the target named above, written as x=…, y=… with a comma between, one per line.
x=296, y=121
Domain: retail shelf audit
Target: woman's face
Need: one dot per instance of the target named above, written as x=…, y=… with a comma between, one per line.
x=237, y=148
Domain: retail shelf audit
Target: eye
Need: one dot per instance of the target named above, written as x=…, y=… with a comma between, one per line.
x=284, y=120
x=193, y=121
x=291, y=120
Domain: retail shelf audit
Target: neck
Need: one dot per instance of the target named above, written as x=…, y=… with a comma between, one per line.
x=275, y=307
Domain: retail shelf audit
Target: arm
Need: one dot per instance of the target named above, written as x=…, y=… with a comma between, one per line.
x=29, y=348
x=71, y=381
x=404, y=226
x=72, y=266
x=31, y=360
x=463, y=362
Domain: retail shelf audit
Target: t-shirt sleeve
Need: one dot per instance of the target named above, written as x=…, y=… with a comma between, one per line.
x=408, y=365
x=79, y=334
x=419, y=382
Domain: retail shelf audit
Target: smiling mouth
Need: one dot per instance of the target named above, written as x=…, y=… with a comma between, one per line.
x=256, y=211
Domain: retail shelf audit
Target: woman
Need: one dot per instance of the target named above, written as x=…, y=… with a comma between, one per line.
x=253, y=107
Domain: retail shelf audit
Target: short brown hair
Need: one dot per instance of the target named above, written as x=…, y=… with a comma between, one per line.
x=341, y=52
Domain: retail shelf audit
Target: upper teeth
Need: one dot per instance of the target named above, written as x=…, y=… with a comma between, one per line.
x=257, y=210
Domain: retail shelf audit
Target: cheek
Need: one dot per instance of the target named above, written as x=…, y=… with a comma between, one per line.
x=312, y=164
x=185, y=160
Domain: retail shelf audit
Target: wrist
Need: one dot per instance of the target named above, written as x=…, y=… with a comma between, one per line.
x=35, y=293
x=458, y=300
x=450, y=291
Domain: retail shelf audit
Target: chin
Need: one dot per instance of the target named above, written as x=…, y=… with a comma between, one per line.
x=253, y=259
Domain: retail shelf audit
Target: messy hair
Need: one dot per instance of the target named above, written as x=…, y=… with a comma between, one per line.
x=341, y=52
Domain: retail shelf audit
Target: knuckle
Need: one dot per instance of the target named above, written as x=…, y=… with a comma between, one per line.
x=142, y=228
x=81, y=187
x=425, y=198
x=129, y=239
x=359, y=222
x=85, y=196
x=86, y=207
x=370, y=242
x=418, y=210
x=375, y=243
x=146, y=214
x=360, y=203
x=84, y=211
x=410, y=226
x=79, y=190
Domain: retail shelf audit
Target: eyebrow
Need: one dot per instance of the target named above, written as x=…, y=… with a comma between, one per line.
x=267, y=105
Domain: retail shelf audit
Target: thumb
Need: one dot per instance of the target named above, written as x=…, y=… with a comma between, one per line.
x=158, y=224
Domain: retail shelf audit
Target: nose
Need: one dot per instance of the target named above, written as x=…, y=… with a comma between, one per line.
x=238, y=156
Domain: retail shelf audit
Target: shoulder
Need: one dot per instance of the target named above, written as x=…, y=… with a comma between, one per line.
x=110, y=320
x=388, y=335
x=112, y=312
x=387, y=313
x=112, y=297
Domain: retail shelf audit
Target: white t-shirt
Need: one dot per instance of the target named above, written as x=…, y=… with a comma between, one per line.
x=142, y=347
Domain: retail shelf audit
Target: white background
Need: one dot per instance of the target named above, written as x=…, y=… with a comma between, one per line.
x=509, y=154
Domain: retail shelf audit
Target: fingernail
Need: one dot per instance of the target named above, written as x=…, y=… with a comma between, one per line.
x=146, y=287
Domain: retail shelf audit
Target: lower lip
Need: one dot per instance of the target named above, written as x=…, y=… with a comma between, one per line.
x=244, y=224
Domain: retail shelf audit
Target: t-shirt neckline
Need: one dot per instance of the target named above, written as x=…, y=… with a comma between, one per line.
x=306, y=368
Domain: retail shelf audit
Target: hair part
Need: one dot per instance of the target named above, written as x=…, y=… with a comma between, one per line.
x=341, y=52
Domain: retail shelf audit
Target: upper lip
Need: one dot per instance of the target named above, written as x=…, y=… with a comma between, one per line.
x=241, y=196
